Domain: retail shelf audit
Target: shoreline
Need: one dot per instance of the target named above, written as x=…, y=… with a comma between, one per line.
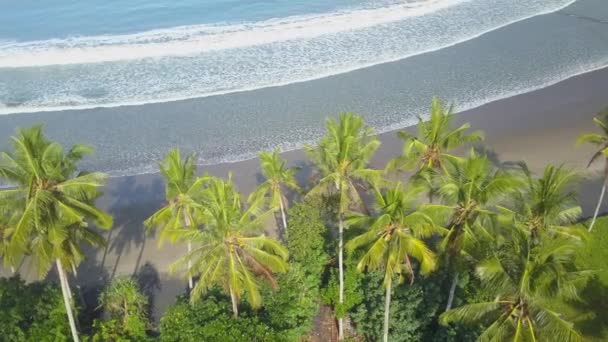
x=538, y=127
x=392, y=129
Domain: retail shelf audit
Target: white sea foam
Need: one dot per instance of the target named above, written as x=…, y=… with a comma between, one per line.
x=232, y=58
x=192, y=40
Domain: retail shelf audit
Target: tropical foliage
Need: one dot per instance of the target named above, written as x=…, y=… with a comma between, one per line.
x=436, y=138
x=31, y=312
x=125, y=308
x=546, y=205
x=230, y=253
x=600, y=140
x=52, y=206
x=343, y=157
x=277, y=176
x=469, y=191
x=393, y=238
x=496, y=254
x=533, y=286
x=182, y=212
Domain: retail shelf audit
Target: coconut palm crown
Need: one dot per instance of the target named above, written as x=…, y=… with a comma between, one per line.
x=53, y=206
x=393, y=237
x=546, y=204
x=469, y=191
x=50, y=200
x=600, y=140
x=342, y=156
x=182, y=210
x=231, y=253
x=277, y=175
x=436, y=138
x=533, y=287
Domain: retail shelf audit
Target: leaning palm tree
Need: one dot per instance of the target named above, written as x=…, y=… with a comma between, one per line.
x=546, y=205
x=182, y=211
x=52, y=204
x=436, y=138
x=601, y=141
x=394, y=236
x=469, y=190
x=277, y=175
x=533, y=286
x=342, y=157
x=231, y=253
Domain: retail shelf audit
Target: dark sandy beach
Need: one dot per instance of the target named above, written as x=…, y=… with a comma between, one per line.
x=539, y=127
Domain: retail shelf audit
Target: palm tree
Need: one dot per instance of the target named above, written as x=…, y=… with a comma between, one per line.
x=547, y=204
x=533, y=286
x=342, y=157
x=122, y=300
x=600, y=140
x=393, y=237
x=429, y=150
x=182, y=211
x=469, y=189
x=231, y=253
x=53, y=205
x=277, y=176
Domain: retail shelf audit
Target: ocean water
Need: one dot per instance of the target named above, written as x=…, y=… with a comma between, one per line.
x=229, y=78
x=81, y=55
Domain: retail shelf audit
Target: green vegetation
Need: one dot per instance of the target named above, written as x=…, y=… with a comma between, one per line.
x=31, y=312
x=495, y=253
x=601, y=141
x=51, y=207
x=342, y=158
x=182, y=213
x=228, y=254
x=393, y=238
x=277, y=176
x=125, y=306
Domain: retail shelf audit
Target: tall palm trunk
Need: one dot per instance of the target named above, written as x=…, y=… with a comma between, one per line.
x=66, y=300
x=341, y=273
x=188, y=225
x=452, y=291
x=235, y=307
x=387, y=307
x=599, y=202
x=283, y=214
x=80, y=295
x=190, y=282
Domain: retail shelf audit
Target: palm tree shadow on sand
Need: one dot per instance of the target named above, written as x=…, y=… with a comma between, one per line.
x=131, y=200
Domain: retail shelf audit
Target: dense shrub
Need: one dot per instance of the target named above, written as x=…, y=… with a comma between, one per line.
x=210, y=319
x=286, y=315
x=592, y=257
x=353, y=294
x=414, y=309
x=290, y=309
x=307, y=234
x=32, y=312
x=408, y=316
x=287, y=312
